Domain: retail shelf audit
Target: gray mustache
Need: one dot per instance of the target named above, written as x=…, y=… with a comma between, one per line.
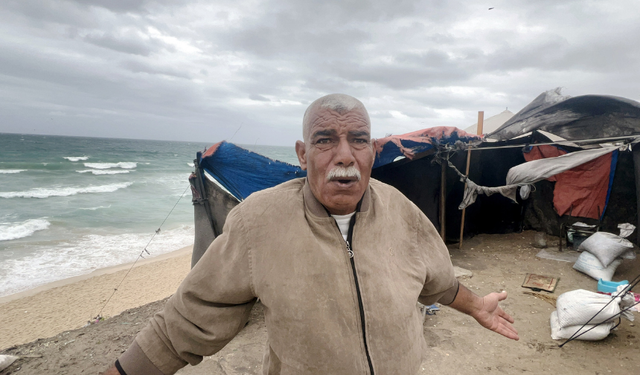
x=342, y=172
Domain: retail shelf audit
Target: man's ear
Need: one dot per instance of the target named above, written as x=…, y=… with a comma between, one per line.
x=374, y=145
x=301, y=151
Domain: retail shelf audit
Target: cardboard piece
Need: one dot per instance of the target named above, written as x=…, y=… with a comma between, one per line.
x=540, y=282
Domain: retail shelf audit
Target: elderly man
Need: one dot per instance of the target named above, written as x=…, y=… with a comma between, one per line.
x=338, y=261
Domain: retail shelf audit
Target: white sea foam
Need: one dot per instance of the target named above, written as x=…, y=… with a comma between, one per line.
x=90, y=252
x=76, y=158
x=122, y=164
x=102, y=171
x=95, y=208
x=11, y=171
x=13, y=231
x=64, y=191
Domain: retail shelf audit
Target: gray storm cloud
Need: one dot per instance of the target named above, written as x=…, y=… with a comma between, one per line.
x=206, y=70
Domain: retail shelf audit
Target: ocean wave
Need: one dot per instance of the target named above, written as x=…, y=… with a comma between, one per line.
x=76, y=158
x=86, y=254
x=64, y=191
x=11, y=171
x=122, y=164
x=13, y=231
x=102, y=171
x=95, y=208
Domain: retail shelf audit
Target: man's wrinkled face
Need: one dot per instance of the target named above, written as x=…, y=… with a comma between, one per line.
x=338, y=155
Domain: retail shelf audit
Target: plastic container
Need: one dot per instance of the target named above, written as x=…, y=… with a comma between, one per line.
x=610, y=286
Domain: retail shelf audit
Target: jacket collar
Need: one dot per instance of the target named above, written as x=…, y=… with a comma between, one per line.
x=316, y=208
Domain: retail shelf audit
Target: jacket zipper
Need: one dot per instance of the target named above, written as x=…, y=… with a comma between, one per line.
x=349, y=241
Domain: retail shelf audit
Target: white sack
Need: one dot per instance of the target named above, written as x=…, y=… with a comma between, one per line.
x=588, y=332
x=6, y=361
x=588, y=263
x=605, y=246
x=627, y=302
x=576, y=307
x=629, y=254
x=626, y=229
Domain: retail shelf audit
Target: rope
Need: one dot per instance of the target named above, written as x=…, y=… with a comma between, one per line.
x=631, y=285
x=561, y=143
x=99, y=316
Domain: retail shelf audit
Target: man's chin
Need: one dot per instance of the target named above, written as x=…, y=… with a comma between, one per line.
x=342, y=202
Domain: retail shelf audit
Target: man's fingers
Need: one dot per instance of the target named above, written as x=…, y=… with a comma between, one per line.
x=507, y=317
x=502, y=295
x=508, y=331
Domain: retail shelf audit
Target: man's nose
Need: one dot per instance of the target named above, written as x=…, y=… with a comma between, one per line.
x=344, y=153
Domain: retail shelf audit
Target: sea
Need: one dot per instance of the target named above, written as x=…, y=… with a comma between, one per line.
x=71, y=205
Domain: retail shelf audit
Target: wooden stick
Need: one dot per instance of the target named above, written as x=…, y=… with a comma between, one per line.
x=443, y=186
x=464, y=210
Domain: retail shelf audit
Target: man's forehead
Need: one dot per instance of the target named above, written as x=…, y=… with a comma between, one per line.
x=354, y=120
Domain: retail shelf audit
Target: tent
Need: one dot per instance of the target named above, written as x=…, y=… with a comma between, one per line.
x=552, y=125
x=226, y=174
x=491, y=124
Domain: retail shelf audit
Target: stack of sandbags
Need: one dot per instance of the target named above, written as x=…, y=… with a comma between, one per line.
x=603, y=252
x=574, y=309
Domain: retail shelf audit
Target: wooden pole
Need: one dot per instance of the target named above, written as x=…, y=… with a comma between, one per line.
x=464, y=210
x=443, y=187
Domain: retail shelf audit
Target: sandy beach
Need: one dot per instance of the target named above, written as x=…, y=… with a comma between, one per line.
x=456, y=344
x=68, y=304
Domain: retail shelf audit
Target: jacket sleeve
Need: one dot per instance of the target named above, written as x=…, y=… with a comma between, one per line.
x=440, y=283
x=210, y=307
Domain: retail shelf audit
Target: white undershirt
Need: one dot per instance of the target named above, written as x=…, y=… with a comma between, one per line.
x=343, y=223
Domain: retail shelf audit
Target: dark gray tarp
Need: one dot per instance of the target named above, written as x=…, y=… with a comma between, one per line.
x=574, y=118
x=218, y=203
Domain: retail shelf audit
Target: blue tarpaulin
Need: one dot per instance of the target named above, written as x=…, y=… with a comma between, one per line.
x=243, y=172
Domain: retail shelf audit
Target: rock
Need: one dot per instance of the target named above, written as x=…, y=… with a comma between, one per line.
x=540, y=240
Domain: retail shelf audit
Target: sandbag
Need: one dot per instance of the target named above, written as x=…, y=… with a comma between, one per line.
x=6, y=361
x=626, y=229
x=576, y=307
x=629, y=254
x=605, y=246
x=589, y=264
x=590, y=332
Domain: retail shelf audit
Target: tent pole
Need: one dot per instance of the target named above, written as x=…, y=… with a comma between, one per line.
x=464, y=210
x=443, y=186
x=636, y=168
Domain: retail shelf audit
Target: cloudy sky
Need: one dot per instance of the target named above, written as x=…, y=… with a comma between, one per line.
x=246, y=70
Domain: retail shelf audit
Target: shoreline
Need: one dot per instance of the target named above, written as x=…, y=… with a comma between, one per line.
x=68, y=304
x=95, y=273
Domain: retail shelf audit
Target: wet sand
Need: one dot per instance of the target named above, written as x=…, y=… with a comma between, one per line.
x=68, y=304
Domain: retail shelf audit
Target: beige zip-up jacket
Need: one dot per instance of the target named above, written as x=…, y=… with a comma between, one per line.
x=325, y=313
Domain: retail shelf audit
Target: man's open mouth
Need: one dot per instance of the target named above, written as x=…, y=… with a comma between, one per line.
x=344, y=180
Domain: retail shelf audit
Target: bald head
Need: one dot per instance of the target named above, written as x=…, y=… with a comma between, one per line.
x=340, y=103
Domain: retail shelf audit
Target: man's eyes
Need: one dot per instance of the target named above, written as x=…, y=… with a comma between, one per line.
x=328, y=143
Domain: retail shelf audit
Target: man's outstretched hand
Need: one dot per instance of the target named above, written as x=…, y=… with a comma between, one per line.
x=491, y=316
x=486, y=311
